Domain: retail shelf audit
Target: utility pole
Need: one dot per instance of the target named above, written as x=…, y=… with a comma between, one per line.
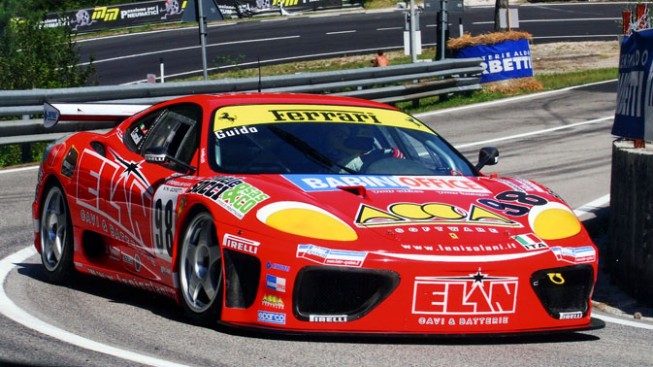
x=444, y=19
x=413, y=46
x=202, y=30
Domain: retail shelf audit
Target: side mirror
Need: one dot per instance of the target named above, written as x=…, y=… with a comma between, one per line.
x=159, y=155
x=487, y=156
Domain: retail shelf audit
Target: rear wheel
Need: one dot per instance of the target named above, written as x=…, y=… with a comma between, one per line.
x=56, y=236
x=200, y=270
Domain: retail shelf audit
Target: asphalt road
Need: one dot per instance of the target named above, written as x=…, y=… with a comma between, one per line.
x=129, y=58
x=561, y=139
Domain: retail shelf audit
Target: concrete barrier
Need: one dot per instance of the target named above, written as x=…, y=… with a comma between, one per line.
x=629, y=257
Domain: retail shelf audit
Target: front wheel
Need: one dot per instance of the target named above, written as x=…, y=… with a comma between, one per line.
x=200, y=270
x=56, y=236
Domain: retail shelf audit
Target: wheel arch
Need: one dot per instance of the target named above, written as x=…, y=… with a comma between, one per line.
x=47, y=183
x=182, y=222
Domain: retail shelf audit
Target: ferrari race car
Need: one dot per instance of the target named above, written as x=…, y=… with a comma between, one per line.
x=308, y=214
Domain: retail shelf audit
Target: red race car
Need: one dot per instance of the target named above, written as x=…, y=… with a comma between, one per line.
x=309, y=213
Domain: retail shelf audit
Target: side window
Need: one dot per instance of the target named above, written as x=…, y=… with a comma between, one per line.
x=138, y=130
x=176, y=129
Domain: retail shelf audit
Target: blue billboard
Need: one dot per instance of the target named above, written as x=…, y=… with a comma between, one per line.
x=634, y=89
x=504, y=60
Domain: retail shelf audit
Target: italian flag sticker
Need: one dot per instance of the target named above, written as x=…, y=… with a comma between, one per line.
x=530, y=241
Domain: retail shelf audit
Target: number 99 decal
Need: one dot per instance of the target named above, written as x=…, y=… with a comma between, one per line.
x=163, y=220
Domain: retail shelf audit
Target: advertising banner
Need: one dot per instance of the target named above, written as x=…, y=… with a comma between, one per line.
x=250, y=8
x=633, y=118
x=504, y=60
x=162, y=11
x=118, y=16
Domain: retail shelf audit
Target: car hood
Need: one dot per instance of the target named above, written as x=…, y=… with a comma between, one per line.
x=416, y=214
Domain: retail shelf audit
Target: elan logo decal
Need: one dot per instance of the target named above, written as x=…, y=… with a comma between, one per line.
x=476, y=294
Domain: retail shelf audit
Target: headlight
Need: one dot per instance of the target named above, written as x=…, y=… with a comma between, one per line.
x=305, y=220
x=553, y=221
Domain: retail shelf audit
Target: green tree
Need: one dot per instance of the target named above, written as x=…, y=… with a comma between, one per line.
x=33, y=56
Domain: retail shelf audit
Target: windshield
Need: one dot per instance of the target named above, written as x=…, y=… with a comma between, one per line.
x=371, y=143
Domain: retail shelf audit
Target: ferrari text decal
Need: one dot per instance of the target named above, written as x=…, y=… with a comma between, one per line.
x=236, y=116
x=426, y=213
x=328, y=256
x=475, y=294
x=233, y=194
x=457, y=184
x=122, y=203
x=312, y=115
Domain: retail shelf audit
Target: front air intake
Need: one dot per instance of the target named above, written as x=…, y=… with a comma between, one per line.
x=324, y=291
x=565, y=291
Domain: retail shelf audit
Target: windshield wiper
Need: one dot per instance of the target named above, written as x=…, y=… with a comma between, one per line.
x=308, y=150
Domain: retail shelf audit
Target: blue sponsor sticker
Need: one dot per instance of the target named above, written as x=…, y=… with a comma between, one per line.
x=310, y=183
x=332, y=182
x=272, y=317
x=275, y=266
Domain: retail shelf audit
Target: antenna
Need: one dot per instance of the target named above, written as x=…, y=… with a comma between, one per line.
x=259, y=73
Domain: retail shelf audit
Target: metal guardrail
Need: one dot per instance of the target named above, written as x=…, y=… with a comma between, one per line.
x=387, y=84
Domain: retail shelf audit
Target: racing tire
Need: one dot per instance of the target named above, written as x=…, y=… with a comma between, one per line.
x=200, y=271
x=56, y=237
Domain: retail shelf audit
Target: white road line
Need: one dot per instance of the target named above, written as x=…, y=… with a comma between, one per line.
x=13, y=170
x=340, y=32
x=619, y=321
x=593, y=206
x=616, y=36
x=267, y=61
x=180, y=29
x=555, y=20
x=190, y=48
x=510, y=99
x=537, y=132
x=568, y=20
x=9, y=309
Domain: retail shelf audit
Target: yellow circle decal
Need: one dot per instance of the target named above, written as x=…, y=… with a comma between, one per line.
x=306, y=220
x=555, y=223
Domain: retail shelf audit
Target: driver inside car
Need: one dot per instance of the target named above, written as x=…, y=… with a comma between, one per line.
x=353, y=146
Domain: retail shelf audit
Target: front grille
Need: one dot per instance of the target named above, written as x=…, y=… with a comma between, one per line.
x=565, y=291
x=349, y=292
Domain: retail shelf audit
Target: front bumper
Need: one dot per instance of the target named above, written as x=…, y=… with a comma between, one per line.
x=418, y=298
